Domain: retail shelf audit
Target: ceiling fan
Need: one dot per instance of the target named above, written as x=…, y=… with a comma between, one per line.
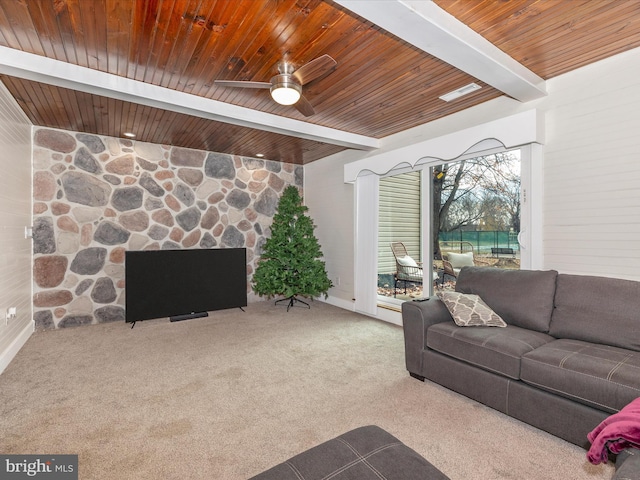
x=286, y=86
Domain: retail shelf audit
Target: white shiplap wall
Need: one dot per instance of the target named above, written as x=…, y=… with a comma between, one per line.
x=591, y=180
x=15, y=215
x=592, y=170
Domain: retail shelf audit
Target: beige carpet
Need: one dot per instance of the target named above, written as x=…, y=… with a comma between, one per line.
x=228, y=396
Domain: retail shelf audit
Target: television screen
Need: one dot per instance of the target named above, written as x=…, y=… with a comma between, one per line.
x=170, y=283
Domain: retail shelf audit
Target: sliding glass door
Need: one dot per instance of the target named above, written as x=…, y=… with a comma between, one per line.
x=443, y=216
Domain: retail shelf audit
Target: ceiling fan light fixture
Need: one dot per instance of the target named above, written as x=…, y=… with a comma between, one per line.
x=284, y=90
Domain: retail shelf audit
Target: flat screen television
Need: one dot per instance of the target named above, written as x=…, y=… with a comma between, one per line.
x=182, y=284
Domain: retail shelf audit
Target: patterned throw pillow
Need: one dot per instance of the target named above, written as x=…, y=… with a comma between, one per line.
x=469, y=310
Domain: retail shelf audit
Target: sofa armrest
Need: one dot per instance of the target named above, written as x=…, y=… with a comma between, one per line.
x=417, y=317
x=627, y=465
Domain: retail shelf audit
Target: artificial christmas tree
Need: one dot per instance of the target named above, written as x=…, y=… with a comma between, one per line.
x=290, y=263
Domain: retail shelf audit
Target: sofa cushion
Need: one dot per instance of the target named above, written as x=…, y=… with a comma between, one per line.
x=601, y=376
x=523, y=298
x=597, y=309
x=494, y=349
x=469, y=310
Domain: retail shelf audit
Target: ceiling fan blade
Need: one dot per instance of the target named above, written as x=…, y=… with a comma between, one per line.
x=315, y=69
x=241, y=84
x=304, y=107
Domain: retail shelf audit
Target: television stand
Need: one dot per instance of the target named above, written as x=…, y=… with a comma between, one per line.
x=187, y=316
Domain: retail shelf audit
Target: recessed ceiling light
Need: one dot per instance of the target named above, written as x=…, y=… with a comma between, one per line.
x=259, y=155
x=472, y=87
x=129, y=135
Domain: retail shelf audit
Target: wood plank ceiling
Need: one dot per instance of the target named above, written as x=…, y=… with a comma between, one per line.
x=381, y=86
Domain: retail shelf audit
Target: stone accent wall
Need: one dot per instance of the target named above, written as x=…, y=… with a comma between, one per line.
x=96, y=197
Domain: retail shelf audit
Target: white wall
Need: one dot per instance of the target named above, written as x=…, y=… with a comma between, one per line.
x=592, y=170
x=591, y=212
x=15, y=215
x=330, y=203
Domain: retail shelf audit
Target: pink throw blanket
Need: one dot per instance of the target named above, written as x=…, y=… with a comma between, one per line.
x=616, y=432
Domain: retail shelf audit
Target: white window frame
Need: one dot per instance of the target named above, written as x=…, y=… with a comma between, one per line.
x=524, y=130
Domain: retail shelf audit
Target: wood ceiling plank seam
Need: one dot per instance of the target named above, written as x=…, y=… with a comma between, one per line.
x=185, y=133
x=346, y=90
x=380, y=121
x=128, y=117
x=87, y=111
x=312, y=45
x=215, y=55
x=347, y=72
x=385, y=128
x=517, y=15
x=152, y=114
x=183, y=20
x=7, y=35
x=75, y=35
x=568, y=30
x=181, y=60
x=17, y=13
x=352, y=70
x=99, y=21
x=571, y=51
x=18, y=91
x=71, y=103
x=102, y=115
x=33, y=92
x=41, y=92
x=161, y=122
x=165, y=120
x=188, y=37
x=557, y=26
x=118, y=36
x=404, y=115
x=94, y=47
x=136, y=37
x=381, y=126
x=390, y=85
x=59, y=104
x=43, y=19
x=140, y=114
x=168, y=27
x=307, y=23
x=278, y=33
x=115, y=117
x=566, y=65
x=190, y=129
x=146, y=16
x=65, y=22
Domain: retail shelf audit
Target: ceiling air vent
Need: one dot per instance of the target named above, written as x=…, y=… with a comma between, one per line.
x=472, y=87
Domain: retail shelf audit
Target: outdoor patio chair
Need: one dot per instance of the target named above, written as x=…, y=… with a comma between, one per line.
x=456, y=255
x=407, y=269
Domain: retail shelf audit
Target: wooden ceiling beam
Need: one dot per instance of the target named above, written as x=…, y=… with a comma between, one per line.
x=28, y=66
x=431, y=29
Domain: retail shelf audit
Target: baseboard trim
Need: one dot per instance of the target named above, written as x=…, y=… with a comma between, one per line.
x=338, y=302
x=16, y=345
x=388, y=315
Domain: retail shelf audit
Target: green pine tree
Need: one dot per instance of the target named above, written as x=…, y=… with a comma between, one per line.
x=290, y=263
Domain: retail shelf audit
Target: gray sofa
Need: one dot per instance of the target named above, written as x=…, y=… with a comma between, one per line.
x=568, y=358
